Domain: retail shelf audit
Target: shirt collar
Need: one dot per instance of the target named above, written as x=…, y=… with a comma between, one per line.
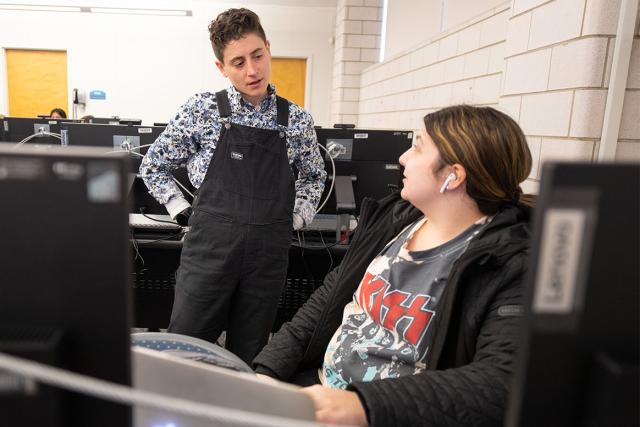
x=238, y=102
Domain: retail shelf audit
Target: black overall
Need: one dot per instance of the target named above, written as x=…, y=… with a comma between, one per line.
x=234, y=259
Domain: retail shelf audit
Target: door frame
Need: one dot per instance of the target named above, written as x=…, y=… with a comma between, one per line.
x=4, y=82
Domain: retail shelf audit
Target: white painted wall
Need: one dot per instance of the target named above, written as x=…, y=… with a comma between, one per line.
x=149, y=65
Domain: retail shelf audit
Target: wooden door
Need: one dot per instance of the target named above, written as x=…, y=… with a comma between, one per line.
x=289, y=77
x=37, y=81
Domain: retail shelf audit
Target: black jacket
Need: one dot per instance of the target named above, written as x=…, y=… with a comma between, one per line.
x=470, y=361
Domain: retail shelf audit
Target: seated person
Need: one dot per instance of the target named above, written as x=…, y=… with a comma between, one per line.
x=419, y=323
x=87, y=119
x=58, y=113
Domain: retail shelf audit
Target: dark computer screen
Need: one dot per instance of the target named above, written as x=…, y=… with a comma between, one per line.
x=16, y=129
x=115, y=120
x=143, y=202
x=578, y=364
x=113, y=137
x=369, y=164
x=130, y=122
x=106, y=120
x=110, y=135
x=65, y=268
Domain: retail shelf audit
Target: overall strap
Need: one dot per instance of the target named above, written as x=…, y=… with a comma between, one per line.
x=224, y=107
x=283, y=111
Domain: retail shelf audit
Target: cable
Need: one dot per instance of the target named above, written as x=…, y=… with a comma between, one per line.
x=156, y=219
x=130, y=149
x=127, y=395
x=141, y=146
x=300, y=244
x=38, y=134
x=183, y=187
x=333, y=177
x=134, y=241
x=167, y=237
x=328, y=251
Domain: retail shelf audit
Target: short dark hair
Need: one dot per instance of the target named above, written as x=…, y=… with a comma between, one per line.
x=60, y=111
x=233, y=24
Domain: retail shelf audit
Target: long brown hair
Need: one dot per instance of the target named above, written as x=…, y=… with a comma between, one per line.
x=491, y=147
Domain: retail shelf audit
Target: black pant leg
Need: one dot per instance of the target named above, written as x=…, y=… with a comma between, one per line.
x=255, y=303
x=207, y=278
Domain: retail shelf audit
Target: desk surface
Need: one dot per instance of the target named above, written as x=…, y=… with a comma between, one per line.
x=161, y=232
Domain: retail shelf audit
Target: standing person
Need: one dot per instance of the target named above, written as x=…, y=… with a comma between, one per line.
x=419, y=324
x=239, y=146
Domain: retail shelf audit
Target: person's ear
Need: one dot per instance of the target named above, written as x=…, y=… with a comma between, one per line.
x=456, y=177
x=220, y=66
x=268, y=46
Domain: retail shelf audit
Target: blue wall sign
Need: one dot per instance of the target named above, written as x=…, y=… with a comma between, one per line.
x=97, y=94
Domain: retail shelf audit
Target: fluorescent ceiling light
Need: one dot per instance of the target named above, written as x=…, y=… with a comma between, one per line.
x=125, y=11
x=110, y=10
x=40, y=8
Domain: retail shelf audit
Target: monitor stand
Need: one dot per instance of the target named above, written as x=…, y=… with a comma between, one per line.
x=345, y=206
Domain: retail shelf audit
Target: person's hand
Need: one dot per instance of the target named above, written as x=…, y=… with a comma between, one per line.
x=336, y=406
x=183, y=217
x=298, y=222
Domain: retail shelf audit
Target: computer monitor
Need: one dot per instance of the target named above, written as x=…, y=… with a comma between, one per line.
x=115, y=120
x=113, y=137
x=143, y=202
x=130, y=122
x=65, y=271
x=110, y=135
x=368, y=167
x=106, y=120
x=16, y=129
x=578, y=363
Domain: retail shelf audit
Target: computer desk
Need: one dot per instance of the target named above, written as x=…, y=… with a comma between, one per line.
x=155, y=260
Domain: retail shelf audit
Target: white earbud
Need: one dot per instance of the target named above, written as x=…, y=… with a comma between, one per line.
x=451, y=177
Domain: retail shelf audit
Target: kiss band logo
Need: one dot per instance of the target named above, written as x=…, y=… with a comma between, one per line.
x=395, y=310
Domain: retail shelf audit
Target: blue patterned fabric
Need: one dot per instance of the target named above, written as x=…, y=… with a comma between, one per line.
x=191, y=138
x=186, y=347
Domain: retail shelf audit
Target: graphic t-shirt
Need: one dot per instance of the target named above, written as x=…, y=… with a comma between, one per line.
x=388, y=328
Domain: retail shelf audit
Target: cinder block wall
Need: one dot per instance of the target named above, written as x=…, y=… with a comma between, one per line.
x=558, y=62
x=545, y=62
x=461, y=65
x=356, y=47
